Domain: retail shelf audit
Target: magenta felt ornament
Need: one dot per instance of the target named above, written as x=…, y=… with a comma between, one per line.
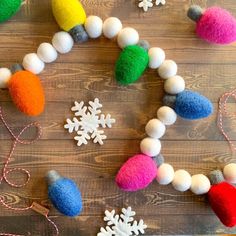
x=214, y=25
x=137, y=173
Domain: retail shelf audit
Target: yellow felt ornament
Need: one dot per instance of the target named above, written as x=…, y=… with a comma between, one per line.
x=70, y=16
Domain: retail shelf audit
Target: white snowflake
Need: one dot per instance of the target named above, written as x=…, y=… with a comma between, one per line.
x=88, y=123
x=122, y=225
x=145, y=4
x=158, y=2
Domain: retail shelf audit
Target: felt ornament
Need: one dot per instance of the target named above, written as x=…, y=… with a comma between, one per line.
x=27, y=92
x=70, y=16
x=137, y=173
x=8, y=8
x=215, y=25
x=131, y=64
x=221, y=197
x=189, y=105
x=64, y=194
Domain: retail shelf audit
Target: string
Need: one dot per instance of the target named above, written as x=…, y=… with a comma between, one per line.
x=6, y=171
x=223, y=111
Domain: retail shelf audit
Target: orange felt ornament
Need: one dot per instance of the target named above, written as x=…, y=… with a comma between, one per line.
x=27, y=92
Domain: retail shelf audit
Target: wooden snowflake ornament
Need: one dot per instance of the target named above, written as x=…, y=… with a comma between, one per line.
x=122, y=225
x=88, y=123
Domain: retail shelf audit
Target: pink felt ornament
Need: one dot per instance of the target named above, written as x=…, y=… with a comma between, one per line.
x=137, y=173
x=215, y=25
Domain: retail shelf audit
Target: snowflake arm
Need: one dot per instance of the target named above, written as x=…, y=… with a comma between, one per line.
x=82, y=138
x=127, y=215
x=72, y=125
x=111, y=217
x=106, y=121
x=94, y=107
x=106, y=232
x=145, y=4
x=137, y=227
x=98, y=136
x=158, y=2
x=80, y=108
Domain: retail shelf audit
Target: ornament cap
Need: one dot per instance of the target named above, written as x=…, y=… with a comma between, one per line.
x=159, y=160
x=16, y=67
x=216, y=177
x=79, y=34
x=169, y=100
x=52, y=176
x=144, y=44
x=195, y=12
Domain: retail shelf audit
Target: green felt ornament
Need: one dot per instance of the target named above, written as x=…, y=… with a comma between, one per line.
x=8, y=8
x=131, y=64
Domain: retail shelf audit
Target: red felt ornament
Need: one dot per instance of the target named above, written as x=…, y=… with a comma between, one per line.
x=222, y=198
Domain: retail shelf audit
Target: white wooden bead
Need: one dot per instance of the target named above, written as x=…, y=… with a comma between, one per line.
x=93, y=26
x=200, y=184
x=111, y=27
x=230, y=173
x=166, y=115
x=5, y=75
x=155, y=128
x=174, y=85
x=127, y=36
x=62, y=42
x=150, y=147
x=156, y=57
x=165, y=174
x=47, y=53
x=32, y=63
x=167, y=69
x=182, y=180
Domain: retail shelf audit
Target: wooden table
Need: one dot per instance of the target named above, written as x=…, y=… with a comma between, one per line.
x=86, y=73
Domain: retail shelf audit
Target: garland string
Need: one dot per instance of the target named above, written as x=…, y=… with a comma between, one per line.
x=6, y=171
x=223, y=112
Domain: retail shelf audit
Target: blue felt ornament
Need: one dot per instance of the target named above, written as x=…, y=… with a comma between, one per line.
x=189, y=105
x=64, y=194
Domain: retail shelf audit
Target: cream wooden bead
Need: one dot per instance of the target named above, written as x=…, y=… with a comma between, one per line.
x=200, y=184
x=32, y=63
x=155, y=128
x=167, y=69
x=47, y=53
x=93, y=26
x=182, y=180
x=150, y=146
x=166, y=115
x=165, y=174
x=127, y=36
x=156, y=57
x=174, y=85
x=5, y=75
x=230, y=173
x=111, y=27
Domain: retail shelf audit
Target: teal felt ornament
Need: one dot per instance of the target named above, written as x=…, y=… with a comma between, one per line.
x=131, y=64
x=8, y=8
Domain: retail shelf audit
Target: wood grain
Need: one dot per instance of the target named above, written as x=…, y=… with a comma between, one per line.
x=88, y=72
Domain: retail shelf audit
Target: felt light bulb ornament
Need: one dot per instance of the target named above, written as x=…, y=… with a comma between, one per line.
x=189, y=105
x=222, y=197
x=26, y=91
x=138, y=172
x=70, y=16
x=215, y=25
x=8, y=8
x=132, y=63
x=64, y=194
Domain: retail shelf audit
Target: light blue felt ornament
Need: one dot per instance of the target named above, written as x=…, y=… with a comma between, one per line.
x=64, y=194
